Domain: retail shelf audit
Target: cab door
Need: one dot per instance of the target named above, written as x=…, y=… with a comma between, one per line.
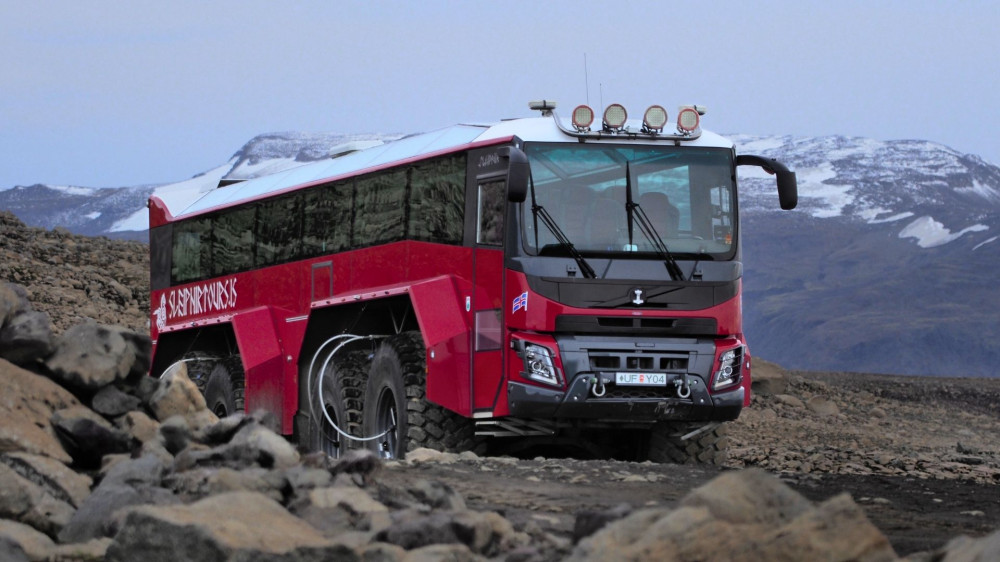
x=490, y=196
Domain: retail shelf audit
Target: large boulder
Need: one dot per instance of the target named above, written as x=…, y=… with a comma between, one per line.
x=967, y=549
x=231, y=526
x=176, y=395
x=334, y=510
x=58, y=479
x=483, y=532
x=742, y=515
x=35, y=545
x=88, y=357
x=32, y=504
x=26, y=338
x=27, y=402
x=130, y=482
x=13, y=301
x=88, y=437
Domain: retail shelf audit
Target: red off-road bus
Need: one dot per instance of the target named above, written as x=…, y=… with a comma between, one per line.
x=537, y=280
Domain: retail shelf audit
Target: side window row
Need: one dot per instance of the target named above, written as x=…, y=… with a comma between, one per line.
x=424, y=201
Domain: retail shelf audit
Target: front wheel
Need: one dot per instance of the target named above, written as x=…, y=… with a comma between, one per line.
x=396, y=404
x=224, y=389
x=397, y=361
x=705, y=443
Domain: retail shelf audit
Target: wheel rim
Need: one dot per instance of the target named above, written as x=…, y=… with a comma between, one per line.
x=385, y=421
x=220, y=410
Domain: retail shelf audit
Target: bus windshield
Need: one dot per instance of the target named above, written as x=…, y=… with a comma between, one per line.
x=688, y=195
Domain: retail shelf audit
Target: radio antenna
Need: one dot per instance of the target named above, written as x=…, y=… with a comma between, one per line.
x=586, y=79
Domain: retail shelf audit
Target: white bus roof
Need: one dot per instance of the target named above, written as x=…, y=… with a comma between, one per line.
x=536, y=129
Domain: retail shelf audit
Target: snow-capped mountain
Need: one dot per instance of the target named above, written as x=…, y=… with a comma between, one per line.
x=886, y=265
x=121, y=212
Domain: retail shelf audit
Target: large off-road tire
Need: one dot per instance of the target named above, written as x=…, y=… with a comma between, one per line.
x=338, y=391
x=224, y=390
x=395, y=401
x=708, y=447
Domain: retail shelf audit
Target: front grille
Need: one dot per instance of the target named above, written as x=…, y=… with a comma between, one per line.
x=619, y=325
x=637, y=361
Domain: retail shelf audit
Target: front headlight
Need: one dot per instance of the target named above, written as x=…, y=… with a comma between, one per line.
x=538, y=364
x=728, y=372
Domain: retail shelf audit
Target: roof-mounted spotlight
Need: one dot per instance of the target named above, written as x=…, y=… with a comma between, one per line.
x=615, y=117
x=545, y=106
x=583, y=116
x=688, y=119
x=654, y=119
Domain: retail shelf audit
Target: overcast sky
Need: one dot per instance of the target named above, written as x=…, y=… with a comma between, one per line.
x=125, y=93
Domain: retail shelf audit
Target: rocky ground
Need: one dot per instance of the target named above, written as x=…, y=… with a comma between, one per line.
x=918, y=458
x=77, y=278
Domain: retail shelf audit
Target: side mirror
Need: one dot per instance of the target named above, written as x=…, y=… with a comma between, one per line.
x=788, y=190
x=518, y=171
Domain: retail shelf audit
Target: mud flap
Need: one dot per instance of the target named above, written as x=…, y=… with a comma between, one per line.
x=262, y=356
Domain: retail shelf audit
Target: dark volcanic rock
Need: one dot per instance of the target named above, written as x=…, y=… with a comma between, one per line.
x=89, y=357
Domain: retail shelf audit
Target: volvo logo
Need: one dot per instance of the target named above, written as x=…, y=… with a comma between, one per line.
x=638, y=297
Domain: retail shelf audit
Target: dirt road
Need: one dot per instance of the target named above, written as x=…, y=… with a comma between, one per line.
x=920, y=455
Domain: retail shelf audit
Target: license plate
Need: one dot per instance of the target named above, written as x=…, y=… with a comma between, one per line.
x=641, y=379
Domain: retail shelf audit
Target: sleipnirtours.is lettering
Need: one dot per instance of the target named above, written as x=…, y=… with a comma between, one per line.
x=202, y=299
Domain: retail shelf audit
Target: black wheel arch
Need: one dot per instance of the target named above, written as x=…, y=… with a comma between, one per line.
x=218, y=340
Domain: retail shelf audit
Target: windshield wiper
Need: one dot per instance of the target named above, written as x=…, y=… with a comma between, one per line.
x=635, y=213
x=537, y=212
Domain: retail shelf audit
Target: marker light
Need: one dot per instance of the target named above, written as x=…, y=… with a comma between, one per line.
x=688, y=120
x=655, y=118
x=615, y=116
x=583, y=116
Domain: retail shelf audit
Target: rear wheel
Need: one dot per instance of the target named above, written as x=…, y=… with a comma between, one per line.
x=666, y=443
x=224, y=389
x=396, y=404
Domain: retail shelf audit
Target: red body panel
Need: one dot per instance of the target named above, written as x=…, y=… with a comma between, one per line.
x=488, y=299
x=268, y=309
x=268, y=384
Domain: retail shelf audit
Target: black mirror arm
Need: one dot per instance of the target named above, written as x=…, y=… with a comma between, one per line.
x=788, y=191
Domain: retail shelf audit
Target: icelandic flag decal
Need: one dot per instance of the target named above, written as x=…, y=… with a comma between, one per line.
x=520, y=302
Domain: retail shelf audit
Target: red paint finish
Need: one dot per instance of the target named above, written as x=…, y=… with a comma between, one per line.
x=158, y=213
x=263, y=364
x=445, y=325
x=269, y=308
x=487, y=375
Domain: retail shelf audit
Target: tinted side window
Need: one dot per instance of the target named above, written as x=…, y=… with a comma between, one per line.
x=326, y=219
x=278, y=226
x=232, y=241
x=380, y=209
x=192, y=250
x=437, y=200
x=492, y=199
